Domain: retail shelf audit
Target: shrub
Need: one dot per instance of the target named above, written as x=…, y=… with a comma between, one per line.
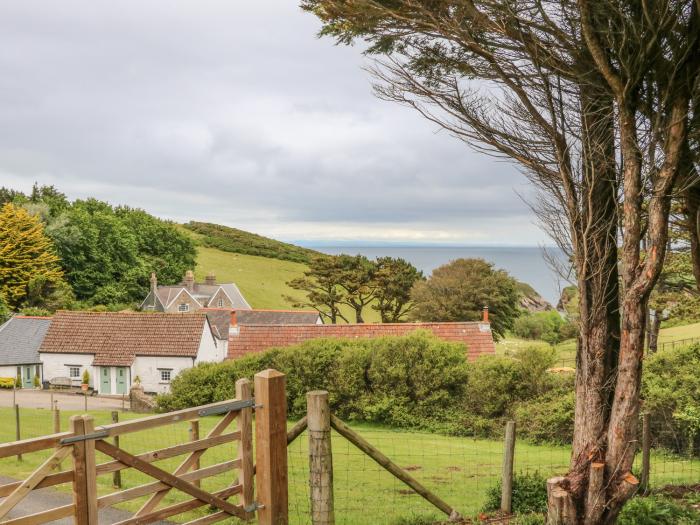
x=415, y=380
x=656, y=510
x=550, y=417
x=529, y=494
x=671, y=393
x=7, y=382
x=36, y=381
x=548, y=326
x=86, y=377
x=529, y=519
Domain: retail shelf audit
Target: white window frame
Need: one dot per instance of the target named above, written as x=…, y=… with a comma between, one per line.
x=167, y=371
x=70, y=371
x=220, y=302
x=183, y=308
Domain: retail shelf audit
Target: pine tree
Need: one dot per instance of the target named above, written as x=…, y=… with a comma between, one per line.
x=25, y=253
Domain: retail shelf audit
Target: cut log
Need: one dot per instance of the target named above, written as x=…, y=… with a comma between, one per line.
x=561, y=509
x=595, y=498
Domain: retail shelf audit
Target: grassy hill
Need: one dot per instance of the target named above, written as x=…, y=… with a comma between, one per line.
x=234, y=240
x=261, y=279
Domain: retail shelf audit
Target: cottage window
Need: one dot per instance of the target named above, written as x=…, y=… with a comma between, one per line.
x=184, y=307
x=74, y=372
x=220, y=302
x=165, y=376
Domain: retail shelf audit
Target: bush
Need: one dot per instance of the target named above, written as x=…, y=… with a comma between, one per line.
x=549, y=418
x=548, y=326
x=415, y=380
x=529, y=494
x=671, y=393
x=7, y=382
x=656, y=510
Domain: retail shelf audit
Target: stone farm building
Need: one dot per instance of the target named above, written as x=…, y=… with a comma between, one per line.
x=116, y=348
x=20, y=339
x=190, y=296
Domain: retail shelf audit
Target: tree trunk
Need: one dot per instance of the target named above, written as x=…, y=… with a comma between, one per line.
x=692, y=199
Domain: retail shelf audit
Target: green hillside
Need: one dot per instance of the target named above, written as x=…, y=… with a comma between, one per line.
x=261, y=280
x=238, y=241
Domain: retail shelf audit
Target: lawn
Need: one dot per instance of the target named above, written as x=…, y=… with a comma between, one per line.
x=458, y=469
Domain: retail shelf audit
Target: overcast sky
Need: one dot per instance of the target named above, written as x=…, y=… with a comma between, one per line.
x=234, y=112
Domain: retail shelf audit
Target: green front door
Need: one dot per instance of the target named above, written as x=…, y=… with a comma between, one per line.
x=106, y=382
x=121, y=380
x=28, y=377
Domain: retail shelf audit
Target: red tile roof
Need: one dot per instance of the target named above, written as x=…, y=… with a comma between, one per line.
x=255, y=338
x=115, y=338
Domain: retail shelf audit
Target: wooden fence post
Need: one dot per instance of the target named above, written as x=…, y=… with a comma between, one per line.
x=646, y=453
x=17, y=431
x=245, y=447
x=318, y=417
x=56, y=424
x=507, y=473
x=194, y=436
x=271, y=447
x=117, y=475
x=84, y=472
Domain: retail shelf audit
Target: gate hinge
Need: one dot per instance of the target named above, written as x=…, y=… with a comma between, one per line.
x=84, y=437
x=228, y=407
x=253, y=507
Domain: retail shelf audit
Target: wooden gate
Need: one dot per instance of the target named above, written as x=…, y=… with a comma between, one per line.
x=83, y=440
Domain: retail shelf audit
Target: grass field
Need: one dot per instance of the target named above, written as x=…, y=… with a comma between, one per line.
x=460, y=470
x=263, y=281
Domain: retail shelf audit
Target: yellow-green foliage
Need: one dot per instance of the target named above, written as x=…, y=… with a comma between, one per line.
x=7, y=382
x=25, y=253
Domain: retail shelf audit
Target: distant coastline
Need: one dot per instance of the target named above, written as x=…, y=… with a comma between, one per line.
x=525, y=263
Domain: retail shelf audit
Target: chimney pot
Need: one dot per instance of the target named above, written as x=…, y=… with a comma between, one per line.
x=189, y=280
x=234, y=319
x=486, y=314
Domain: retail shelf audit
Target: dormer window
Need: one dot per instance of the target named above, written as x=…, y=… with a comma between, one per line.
x=184, y=307
x=220, y=302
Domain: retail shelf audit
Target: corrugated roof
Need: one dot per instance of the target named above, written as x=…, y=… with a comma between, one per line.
x=20, y=339
x=477, y=337
x=115, y=338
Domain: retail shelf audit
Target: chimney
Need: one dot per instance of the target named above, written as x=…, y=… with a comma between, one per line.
x=154, y=282
x=210, y=279
x=189, y=280
x=233, y=328
x=485, y=318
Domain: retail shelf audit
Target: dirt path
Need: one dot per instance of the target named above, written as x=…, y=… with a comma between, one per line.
x=66, y=400
x=48, y=498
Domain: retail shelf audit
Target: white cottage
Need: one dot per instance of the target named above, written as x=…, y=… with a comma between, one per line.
x=116, y=348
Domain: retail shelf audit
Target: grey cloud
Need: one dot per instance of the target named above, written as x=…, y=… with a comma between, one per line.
x=231, y=112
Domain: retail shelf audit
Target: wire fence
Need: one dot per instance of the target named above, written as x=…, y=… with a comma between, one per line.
x=460, y=470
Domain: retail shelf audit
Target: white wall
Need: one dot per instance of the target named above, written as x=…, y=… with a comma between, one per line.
x=8, y=371
x=148, y=370
x=210, y=348
x=56, y=365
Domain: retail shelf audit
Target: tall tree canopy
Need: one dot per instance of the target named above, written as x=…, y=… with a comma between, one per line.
x=597, y=103
x=458, y=291
x=26, y=254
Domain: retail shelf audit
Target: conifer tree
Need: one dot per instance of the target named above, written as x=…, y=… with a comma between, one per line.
x=25, y=254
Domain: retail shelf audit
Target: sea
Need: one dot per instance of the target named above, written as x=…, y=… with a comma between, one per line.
x=529, y=264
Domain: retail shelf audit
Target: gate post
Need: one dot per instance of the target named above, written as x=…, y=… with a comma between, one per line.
x=245, y=448
x=84, y=472
x=318, y=417
x=271, y=447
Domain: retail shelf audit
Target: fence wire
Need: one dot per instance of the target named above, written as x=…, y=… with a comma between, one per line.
x=461, y=470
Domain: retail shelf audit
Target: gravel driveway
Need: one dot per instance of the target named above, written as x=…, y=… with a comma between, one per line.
x=66, y=400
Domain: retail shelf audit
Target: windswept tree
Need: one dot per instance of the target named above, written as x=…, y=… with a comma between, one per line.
x=594, y=102
x=394, y=278
x=459, y=290
x=356, y=277
x=320, y=283
x=26, y=254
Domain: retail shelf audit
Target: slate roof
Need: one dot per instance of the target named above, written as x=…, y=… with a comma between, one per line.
x=20, y=339
x=220, y=318
x=203, y=294
x=115, y=338
x=476, y=337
